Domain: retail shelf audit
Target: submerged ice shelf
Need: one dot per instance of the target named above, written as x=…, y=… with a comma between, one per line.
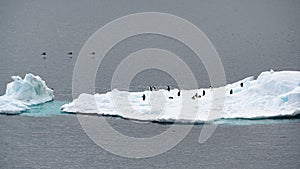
x=22, y=93
x=272, y=94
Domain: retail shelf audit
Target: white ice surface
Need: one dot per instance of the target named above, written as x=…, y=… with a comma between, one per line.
x=271, y=94
x=22, y=93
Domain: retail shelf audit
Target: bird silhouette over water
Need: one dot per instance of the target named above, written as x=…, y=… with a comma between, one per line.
x=44, y=55
x=70, y=54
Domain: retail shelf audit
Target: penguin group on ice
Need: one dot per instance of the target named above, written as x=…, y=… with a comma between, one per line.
x=231, y=91
x=198, y=95
x=154, y=88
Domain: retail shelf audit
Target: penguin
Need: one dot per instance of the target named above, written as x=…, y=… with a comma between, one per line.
x=44, y=53
x=171, y=97
x=169, y=88
x=203, y=93
x=70, y=53
x=144, y=97
x=93, y=53
x=193, y=97
x=155, y=88
x=231, y=91
x=150, y=88
x=197, y=96
x=178, y=94
x=242, y=84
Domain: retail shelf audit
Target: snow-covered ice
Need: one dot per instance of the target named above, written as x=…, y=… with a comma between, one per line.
x=22, y=93
x=272, y=94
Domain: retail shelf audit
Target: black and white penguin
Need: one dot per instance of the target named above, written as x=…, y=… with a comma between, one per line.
x=242, y=84
x=150, y=88
x=44, y=53
x=178, y=94
x=168, y=88
x=197, y=95
x=203, y=93
x=144, y=97
x=231, y=91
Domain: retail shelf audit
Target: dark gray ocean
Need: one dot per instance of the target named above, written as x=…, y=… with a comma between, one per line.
x=250, y=37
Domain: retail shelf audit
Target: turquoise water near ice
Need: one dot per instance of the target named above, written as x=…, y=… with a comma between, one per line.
x=45, y=109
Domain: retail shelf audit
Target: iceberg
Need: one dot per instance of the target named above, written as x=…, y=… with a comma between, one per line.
x=272, y=94
x=22, y=93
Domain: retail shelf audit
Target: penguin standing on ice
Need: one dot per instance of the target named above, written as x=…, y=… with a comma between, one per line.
x=196, y=96
x=150, y=88
x=168, y=88
x=242, y=84
x=203, y=93
x=231, y=91
x=178, y=94
x=144, y=97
